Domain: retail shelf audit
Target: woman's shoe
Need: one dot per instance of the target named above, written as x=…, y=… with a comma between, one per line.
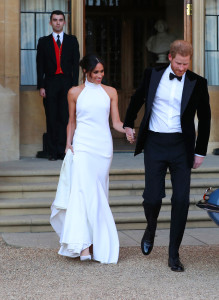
x=84, y=258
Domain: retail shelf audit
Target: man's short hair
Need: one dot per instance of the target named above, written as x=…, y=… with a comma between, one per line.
x=181, y=47
x=57, y=12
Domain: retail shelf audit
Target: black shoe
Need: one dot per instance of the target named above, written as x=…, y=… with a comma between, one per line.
x=175, y=265
x=147, y=242
x=216, y=151
x=42, y=154
x=52, y=158
x=61, y=156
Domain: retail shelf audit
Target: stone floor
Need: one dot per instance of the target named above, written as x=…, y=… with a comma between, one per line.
x=121, y=160
x=128, y=238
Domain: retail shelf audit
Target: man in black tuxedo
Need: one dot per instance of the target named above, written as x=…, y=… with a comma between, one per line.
x=57, y=71
x=172, y=96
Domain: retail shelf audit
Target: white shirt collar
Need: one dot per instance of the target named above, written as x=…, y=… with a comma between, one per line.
x=60, y=36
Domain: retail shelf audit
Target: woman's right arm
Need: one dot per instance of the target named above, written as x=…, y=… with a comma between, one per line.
x=72, y=119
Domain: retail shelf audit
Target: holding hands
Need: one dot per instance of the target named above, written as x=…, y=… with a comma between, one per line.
x=130, y=134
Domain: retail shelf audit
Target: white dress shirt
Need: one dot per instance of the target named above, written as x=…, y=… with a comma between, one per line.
x=165, y=115
x=60, y=36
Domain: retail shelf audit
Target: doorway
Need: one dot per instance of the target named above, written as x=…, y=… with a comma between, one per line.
x=124, y=33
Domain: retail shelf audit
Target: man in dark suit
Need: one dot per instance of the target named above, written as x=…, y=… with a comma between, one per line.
x=172, y=96
x=57, y=71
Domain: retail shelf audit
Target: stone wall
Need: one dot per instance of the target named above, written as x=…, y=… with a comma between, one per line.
x=22, y=117
x=9, y=125
x=32, y=123
x=9, y=79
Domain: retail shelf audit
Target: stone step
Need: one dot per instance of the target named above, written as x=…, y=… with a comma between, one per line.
x=33, y=206
x=128, y=220
x=114, y=185
x=44, y=175
x=116, y=188
x=37, y=206
x=137, y=201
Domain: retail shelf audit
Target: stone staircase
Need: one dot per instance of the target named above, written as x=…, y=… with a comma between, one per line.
x=26, y=196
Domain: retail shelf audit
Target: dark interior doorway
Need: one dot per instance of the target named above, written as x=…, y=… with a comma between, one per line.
x=123, y=33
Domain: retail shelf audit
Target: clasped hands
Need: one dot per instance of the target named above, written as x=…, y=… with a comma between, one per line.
x=130, y=134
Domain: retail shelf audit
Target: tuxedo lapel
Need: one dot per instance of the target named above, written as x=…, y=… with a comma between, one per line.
x=187, y=91
x=51, y=48
x=64, y=47
x=154, y=82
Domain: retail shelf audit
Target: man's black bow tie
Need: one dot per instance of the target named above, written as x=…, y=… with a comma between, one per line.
x=171, y=76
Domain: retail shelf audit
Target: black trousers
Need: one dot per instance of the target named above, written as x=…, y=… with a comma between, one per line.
x=162, y=151
x=56, y=109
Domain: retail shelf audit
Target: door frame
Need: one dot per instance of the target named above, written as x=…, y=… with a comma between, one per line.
x=188, y=20
x=79, y=5
x=198, y=38
x=188, y=24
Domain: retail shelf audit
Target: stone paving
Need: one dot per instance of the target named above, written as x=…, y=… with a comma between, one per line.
x=128, y=238
x=121, y=160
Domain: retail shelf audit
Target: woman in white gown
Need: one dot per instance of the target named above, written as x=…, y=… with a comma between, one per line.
x=81, y=215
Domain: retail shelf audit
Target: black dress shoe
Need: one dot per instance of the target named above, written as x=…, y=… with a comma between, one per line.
x=42, y=154
x=175, y=265
x=147, y=242
x=52, y=158
x=61, y=156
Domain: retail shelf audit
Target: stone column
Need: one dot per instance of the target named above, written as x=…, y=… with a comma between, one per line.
x=199, y=67
x=78, y=10
x=198, y=19
x=9, y=79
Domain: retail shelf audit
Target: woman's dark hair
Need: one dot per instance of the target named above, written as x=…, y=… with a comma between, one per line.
x=89, y=62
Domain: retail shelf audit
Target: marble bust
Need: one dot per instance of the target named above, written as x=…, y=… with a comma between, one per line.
x=160, y=42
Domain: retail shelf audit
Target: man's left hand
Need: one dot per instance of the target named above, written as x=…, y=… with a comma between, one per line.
x=198, y=160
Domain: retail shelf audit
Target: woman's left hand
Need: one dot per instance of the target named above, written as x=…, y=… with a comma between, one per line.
x=69, y=147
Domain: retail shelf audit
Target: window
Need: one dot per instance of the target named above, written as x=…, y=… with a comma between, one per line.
x=212, y=41
x=35, y=17
x=102, y=2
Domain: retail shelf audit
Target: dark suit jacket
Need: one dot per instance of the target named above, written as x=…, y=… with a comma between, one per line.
x=46, y=59
x=195, y=99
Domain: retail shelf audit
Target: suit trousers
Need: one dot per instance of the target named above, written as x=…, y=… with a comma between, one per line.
x=163, y=151
x=56, y=109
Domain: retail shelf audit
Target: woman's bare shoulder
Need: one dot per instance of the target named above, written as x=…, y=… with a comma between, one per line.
x=75, y=91
x=110, y=90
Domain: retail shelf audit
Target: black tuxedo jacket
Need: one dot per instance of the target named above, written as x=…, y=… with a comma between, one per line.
x=46, y=59
x=195, y=99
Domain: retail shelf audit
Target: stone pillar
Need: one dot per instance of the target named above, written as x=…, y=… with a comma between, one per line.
x=198, y=19
x=9, y=79
x=199, y=67
x=78, y=10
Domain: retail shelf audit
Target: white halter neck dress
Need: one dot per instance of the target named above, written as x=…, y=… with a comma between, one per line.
x=81, y=215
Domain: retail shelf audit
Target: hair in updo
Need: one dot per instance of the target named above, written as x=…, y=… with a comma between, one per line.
x=89, y=62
